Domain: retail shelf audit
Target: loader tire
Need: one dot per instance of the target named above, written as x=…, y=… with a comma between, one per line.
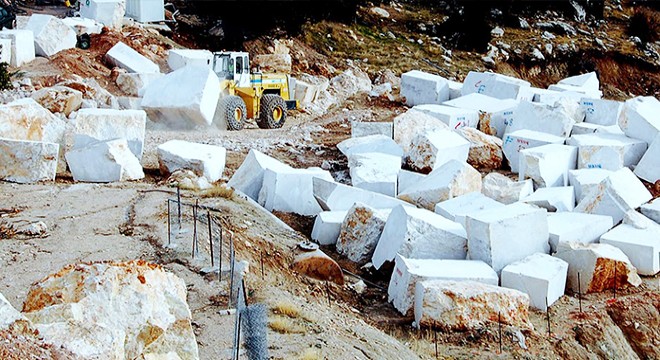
x=233, y=109
x=272, y=114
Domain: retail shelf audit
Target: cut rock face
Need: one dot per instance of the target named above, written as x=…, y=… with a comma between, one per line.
x=453, y=117
x=489, y=234
x=540, y=276
x=203, y=160
x=51, y=35
x=249, y=177
x=433, y=149
x=360, y=231
x=411, y=123
x=418, y=87
x=652, y=210
x=469, y=305
x=86, y=308
x=178, y=58
x=573, y=227
x=103, y=161
x=8, y=315
x=457, y=208
x=375, y=172
x=601, y=112
x=361, y=129
x=327, y=227
x=183, y=98
x=553, y=199
x=291, y=190
x=134, y=84
x=494, y=114
x=108, y=12
x=494, y=85
x=607, y=151
x=615, y=195
x=334, y=196
x=585, y=180
x=419, y=234
x=485, y=150
x=22, y=45
x=370, y=144
x=596, y=265
x=407, y=179
x=519, y=140
x=642, y=246
x=107, y=124
x=639, y=119
x=24, y=162
x=557, y=119
x=648, y=167
x=548, y=165
x=123, y=56
x=408, y=272
x=448, y=181
x=504, y=190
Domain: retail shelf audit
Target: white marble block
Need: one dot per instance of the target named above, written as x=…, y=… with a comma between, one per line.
x=573, y=227
x=540, y=276
x=548, y=165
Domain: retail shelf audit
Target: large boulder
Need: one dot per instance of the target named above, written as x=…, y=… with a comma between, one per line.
x=183, y=98
x=22, y=45
x=453, y=117
x=411, y=123
x=485, y=150
x=178, y=58
x=123, y=56
x=494, y=114
x=430, y=150
x=134, y=84
x=103, y=161
x=360, y=232
x=108, y=124
x=648, y=167
x=469, y=305
x=51, y=35
x=607, y=151
x=557, y=119
x=375, y=172
x=204, y=160
x=574, y=227
x=494, y=85
x=639, y=119
x=249, y=177
x=450, y=180
x=94, y=92
x=291, y=190
x=502, y=189
x=108, y=12
x=547, y=165
x=370, y=144
x=334, y=196
x=419, y=87
x=59, y=99
x=114, y=311
x=23, y=161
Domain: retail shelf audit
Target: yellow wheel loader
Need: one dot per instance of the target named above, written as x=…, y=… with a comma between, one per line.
x=246, y=95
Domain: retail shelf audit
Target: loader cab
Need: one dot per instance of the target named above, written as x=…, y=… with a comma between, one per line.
x=233, y=66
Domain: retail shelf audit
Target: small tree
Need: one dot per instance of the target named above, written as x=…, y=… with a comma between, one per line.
x=5, y=77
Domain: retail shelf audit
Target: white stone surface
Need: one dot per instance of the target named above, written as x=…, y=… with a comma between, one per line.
x=576, y=92
x=585, y=128
x=408, y=272
x=22, y=46
x=108, y=124
x=8, y=315
x=639, y=118
x=601, y=112
x=370, y=144
x=652, y=210
x=596, y=263
x=648, y=167
x=547, y=165
x=587, y=80
x=145, y=11
x=430, y=150
x=419, y=234
x=411, y=123
x=556, y=119
x=360, y=232
x=615, y=195
x=585, y=180
x=540, y=276
x=495, y=85
x=178, y=58
x=607, y=151
x=642, y=246
x=327, y=226
x=502, y=189
x=553, y=199
x=468, y=305
x=490, y=234
x=134, y=84
x=183, y=98
x=455, y=89
x=516, y=141
x=82, y=25
x=573, y=227
x=123, y=56
x=59, y=99
x=448, y=181
x=133, y=310
x=51, y=35
x=334, y=196
x=418, y=87
x=108, y=12
x=363, y=128
x=458, y=208
x=129, y=103
x=5, y=51
x=290, y=190
x=204, y=160
x=375, y=172
x=24, y=161
x=453, y=117
x=639, y=221
x=249, y=177
x=103, y=161
x=494, y=114
x=485, y=150
x=408, y=178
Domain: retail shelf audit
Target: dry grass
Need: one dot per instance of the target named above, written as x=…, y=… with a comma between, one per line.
x=310, y=354
x=291, y=310
x=218, y=191
x=284, y=325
